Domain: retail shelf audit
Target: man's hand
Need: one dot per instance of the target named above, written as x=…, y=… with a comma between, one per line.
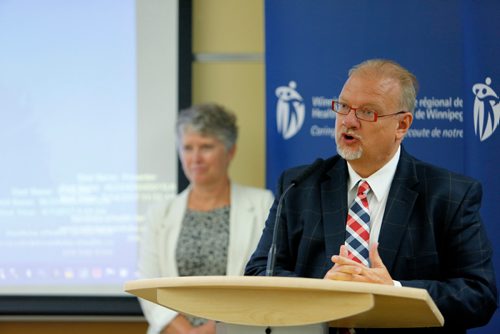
x=345, y=269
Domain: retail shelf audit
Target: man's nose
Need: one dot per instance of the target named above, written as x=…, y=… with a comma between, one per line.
x=350, y=119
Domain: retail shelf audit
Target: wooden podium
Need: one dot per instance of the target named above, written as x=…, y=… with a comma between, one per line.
x=287, y=301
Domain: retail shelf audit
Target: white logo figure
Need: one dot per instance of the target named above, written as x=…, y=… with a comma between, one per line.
x=289, y=120
x=486, y=109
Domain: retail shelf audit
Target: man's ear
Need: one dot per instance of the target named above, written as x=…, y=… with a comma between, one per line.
x=404, y=123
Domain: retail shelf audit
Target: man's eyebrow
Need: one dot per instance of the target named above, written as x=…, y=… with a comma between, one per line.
x=370, y=105
x=364, y=105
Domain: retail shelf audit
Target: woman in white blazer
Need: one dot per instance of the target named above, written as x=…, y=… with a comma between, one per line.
x=214, y=223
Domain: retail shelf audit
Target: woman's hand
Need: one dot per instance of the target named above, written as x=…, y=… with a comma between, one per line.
x=206, y=328
x=180, y=325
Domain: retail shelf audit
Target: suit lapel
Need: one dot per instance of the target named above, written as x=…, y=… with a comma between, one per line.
x=334, y=207
x=400, y=204
x=241, y=220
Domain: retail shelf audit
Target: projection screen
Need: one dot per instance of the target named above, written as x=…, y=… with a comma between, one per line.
x=88, y=98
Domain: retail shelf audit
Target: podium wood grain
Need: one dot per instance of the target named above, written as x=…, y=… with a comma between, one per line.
x=286, y=301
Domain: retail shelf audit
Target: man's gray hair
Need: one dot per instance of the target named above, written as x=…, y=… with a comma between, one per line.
x=390, y=69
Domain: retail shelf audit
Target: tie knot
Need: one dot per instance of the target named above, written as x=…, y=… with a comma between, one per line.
x=363, y=188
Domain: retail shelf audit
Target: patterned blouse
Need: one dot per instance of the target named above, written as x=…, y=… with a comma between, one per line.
x=202, y=246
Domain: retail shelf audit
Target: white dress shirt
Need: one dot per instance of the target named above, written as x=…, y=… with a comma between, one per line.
x=380, y=184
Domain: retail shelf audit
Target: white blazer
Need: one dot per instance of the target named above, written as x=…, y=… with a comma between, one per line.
x=158, y=241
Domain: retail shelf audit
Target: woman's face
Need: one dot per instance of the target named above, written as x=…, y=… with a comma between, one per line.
x=205, y=160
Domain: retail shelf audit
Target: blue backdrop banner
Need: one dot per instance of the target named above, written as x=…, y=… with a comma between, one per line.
x=453, y=47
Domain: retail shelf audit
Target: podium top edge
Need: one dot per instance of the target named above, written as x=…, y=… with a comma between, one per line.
x=262, y=282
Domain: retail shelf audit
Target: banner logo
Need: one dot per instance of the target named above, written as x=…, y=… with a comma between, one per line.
x=290, y=110
x=486, y=110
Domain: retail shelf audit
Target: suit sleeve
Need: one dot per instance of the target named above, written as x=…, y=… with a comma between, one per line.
x=466, y=295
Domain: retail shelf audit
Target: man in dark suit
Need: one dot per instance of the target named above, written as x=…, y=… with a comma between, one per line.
x=424, y=226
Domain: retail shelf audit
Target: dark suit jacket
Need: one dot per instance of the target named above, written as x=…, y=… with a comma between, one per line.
x=432, y=236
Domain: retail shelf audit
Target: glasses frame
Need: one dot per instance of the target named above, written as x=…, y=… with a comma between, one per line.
x=376, y=116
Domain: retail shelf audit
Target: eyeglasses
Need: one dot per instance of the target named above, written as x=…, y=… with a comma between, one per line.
x=361, y=113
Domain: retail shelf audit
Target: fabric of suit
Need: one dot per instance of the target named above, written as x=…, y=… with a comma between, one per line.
x=431, y=237
x=158, y=241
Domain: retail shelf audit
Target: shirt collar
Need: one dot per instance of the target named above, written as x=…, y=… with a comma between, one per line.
x=381, y=180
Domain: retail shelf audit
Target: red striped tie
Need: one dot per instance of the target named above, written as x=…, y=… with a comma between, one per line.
x=358, y=226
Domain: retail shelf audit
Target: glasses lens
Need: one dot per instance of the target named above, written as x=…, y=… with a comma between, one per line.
x=335, y=106
x=338, y=107
x=366, y=115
